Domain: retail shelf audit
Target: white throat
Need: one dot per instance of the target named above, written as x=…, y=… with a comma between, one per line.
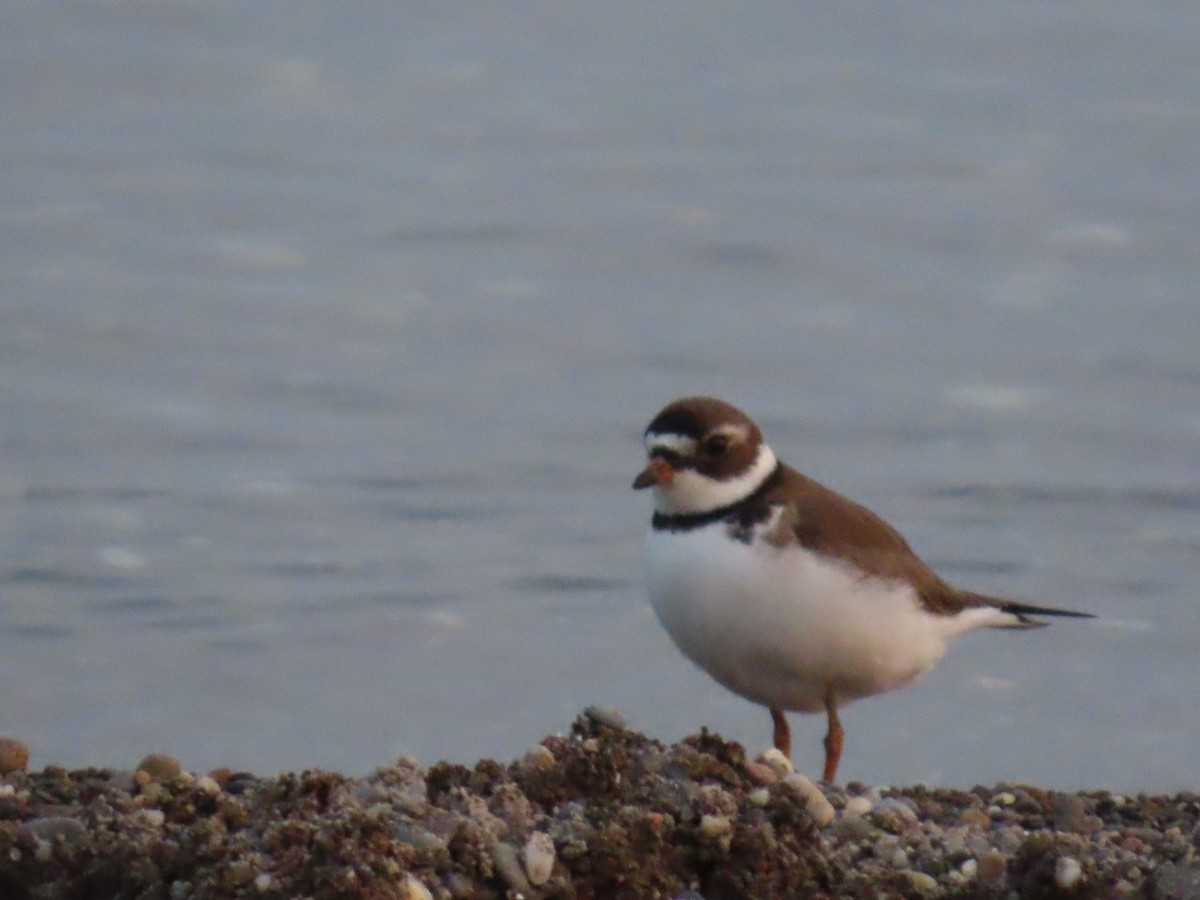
x=690, y=492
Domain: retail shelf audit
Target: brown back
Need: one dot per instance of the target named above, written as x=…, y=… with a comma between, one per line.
x=823, y=520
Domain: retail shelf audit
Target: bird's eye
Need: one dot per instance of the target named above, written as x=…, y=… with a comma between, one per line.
x=716, y=445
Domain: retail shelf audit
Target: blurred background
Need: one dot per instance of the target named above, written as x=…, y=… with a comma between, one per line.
x=328, y=333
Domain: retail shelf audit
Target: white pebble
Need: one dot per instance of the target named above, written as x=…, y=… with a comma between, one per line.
x=818, y=807
x=925, y=885
x=1004, y=798
x=7, y=790
x=1067, y=871
x=759, y=796
x=208, y=785
x=896, y=808
x=775, y=759
x=263, y=881
x=539, y=757
x=856, y=808
x=539, y=858
x=413, y=889
x=717, y=829
x=508, y=867
x=152, y=817
x=969, y=868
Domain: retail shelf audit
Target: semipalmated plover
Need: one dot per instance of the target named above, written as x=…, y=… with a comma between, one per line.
x=783, y=590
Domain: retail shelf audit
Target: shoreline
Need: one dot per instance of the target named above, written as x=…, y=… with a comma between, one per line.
x=600, y=812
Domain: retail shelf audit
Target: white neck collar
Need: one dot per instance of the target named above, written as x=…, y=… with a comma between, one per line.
x=691, y=493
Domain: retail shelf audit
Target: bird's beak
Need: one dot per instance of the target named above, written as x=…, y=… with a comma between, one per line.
x=659, y=471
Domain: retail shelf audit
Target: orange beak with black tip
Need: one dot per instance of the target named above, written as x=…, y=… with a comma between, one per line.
x=659, y=471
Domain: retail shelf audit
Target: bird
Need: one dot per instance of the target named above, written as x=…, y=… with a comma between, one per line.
x=783, y=590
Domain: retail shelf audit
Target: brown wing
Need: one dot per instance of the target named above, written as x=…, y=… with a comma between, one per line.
x=825, y=521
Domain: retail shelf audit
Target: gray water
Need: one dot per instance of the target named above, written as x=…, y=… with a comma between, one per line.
x=327, y=334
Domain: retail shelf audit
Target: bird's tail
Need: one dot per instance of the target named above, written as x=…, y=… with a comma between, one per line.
x=1022, y=613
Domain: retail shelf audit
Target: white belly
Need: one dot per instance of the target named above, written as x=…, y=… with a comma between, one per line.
x=778, y=625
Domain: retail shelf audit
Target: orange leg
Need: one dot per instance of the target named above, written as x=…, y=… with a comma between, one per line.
x=783, y=734
x=834, y=739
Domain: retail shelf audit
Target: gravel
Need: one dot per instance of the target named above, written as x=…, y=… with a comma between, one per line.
x=600, y=812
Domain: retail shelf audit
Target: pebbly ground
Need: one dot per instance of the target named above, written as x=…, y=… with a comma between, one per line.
x=602, y=812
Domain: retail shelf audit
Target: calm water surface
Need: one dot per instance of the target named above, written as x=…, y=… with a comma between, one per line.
x=326, y=340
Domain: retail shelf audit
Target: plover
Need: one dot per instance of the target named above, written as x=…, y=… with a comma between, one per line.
x=783, y=590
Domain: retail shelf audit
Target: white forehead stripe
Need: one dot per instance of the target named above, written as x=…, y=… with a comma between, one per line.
x=690, y=492
x=732, y=431
x=676, y=443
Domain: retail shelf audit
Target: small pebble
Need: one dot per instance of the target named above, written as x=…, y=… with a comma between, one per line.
x=1067, y=872
x=158, y=767
x=1072, y=816
x=893, y=815
x=539, y=757
x=976, y=817
x=815, y=803
x=923, y=884
x=992, y=866
x=243, y=871
x=759, y=796
x=14, y=755
x=969, y=868
x=717, y=830
x=508, y=866
x=1008, y=840
x=208, y=785
x=539, y=858
x=859, y=829
x=1004, y=798
x=715, y=799
x=412, y=888
x=954, y=840
x=152, y=817
x=761, y=773
x=857, y=807
x=780, y=764
x=607, y=716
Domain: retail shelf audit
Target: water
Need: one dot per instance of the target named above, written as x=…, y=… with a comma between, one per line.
x=326, y=340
